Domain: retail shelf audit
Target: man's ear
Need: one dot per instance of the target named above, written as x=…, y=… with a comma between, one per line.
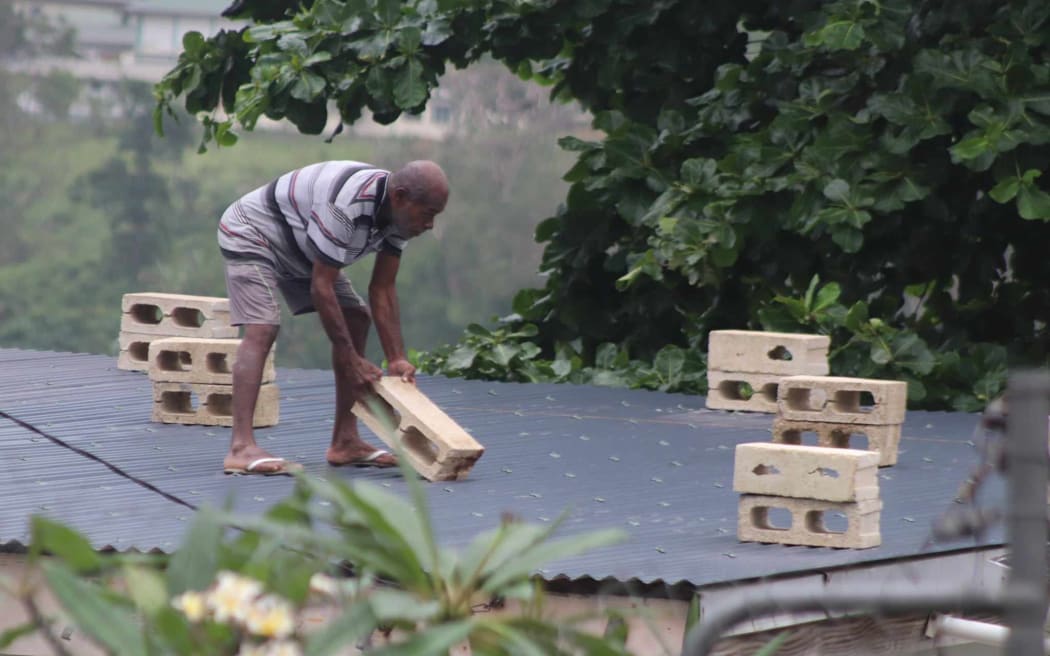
x=400, y=195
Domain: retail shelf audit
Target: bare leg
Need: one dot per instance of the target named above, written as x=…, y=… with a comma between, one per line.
x=247, y=378
x=347, y=445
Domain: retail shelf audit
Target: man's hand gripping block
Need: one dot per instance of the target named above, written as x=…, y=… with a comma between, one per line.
x=435, y=446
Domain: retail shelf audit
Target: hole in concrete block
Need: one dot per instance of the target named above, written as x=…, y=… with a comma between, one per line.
x=187, y=317
x=217, y=363
x=847, y=439
x=798, y=436
x=139, y=351
x=807, y=400
x=854, y=401
x=419, y=446
x=766, y=470
x=220, y=405
x=769, y=392
x=819, y=521
x=146, y=313
x=735, y=390
x=174, y=360
x=780, y=353
x=179, y=403
x=771, y=519
x=826, y=471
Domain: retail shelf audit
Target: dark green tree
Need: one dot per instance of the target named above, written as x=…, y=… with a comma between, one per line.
x=890, y=148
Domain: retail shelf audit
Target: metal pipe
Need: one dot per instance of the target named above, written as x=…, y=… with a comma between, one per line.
x=1028, y=404
x=882, y=600
x=994, y=635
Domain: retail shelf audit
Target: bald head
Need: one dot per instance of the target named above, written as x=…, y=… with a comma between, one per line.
x=418, y=192
x=424, y=181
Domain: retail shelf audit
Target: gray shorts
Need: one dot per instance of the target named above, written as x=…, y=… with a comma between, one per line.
x=250, y=287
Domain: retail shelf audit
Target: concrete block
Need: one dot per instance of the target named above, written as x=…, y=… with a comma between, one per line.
x=809, y=522
x=725, y=392
x=210, y=405
x=134, y=351
x=199, y=360
x=435, y=445
x=177, y=315
x=884, y=440
x=752, y=351
x=842, y=400
x=806, y=472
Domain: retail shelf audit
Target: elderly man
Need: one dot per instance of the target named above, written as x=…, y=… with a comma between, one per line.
x=295, y=235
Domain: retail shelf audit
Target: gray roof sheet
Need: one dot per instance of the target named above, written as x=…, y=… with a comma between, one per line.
x=656, y=465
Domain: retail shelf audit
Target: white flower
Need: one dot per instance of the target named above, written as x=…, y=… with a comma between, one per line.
x=321, y=583
x=232, y=596
x=192, y=604
x=253, y=650
x=270, y=617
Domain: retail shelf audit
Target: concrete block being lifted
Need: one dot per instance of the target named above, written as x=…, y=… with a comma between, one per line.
x=752, y=351
x=134, y=351
x=210, y=405
x=435, y=445
x=177, y=315
x=884, y=440
x=809, y=522
x=806, y=472
x=842, y=400
x=729, y=391
x=199, y=360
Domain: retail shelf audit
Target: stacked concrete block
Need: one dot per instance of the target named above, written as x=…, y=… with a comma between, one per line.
x=149, y=316
x=807, y=483
x=838, y=408
x=759, y=360
x=193, y=382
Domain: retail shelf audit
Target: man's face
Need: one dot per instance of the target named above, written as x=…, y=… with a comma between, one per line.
x=414, y=217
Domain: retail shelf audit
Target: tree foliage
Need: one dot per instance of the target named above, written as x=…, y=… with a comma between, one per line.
x=891, y=148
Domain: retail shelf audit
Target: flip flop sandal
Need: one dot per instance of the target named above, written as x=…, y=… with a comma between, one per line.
x=285, y=470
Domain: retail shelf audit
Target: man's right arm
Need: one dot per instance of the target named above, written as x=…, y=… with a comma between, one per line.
x=345, y=359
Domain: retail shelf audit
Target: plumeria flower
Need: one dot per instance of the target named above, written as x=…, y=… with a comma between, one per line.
x=232, y=596
x=192, y=604
x=270, y=617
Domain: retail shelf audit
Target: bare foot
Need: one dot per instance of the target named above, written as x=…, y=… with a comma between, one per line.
x=359, y=454
x=240, y=461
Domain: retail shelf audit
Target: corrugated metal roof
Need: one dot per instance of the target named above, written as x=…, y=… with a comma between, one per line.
x=656, y=465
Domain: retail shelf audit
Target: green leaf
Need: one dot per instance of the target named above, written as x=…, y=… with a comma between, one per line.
x=93, y=612
x=430, y=641
x=409, y=39
x=1033, y=203
x=10, y=636
x=409, y=88
x=840, y=35
x=971, y=148
x=356, y=622
x=147, y=589
x=462, y=358
x=1005, y=191
x=837, y=190
x=308, y=86
x=827, y=296
x=48, y=536
x=195, y=563
x=192, y=43
x=532, y=560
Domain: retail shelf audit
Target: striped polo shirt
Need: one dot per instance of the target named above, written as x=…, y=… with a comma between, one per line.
x=325, y=212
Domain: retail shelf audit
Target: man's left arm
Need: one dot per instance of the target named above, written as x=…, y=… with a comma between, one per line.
x=382, y=297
